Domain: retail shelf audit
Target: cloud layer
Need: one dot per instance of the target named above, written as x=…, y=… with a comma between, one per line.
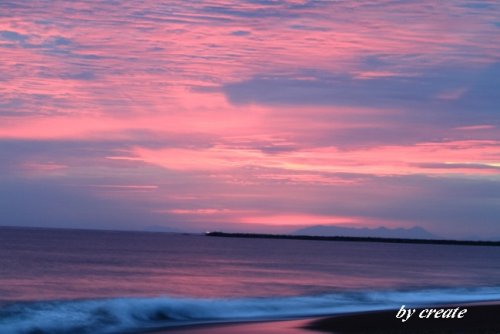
x=251, y=115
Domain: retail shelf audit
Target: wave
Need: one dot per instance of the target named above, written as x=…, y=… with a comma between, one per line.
x=127, y=315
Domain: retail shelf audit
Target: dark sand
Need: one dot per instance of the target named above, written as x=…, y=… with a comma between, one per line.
x=480, y=319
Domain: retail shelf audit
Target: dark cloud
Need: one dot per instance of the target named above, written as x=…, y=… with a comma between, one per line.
x=84, y=75
x=308, y=27
x=253, y=13
x=51, y=43
x=265, y=2
x=240, y=33
x=60, y=41
x=265, y=9
x=13, y=36
x=478, y=5
x=436, y=94
x=27, y=105
x=373, y=62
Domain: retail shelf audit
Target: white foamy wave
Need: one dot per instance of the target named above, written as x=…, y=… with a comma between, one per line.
x=119, y=315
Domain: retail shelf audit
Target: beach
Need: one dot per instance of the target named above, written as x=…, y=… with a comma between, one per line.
x=480, y=318
x=131, y=282
x=258, y=327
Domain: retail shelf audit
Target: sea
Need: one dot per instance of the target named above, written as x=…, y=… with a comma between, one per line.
x=62, y=281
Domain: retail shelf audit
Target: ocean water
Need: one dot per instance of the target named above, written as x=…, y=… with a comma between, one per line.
x=102, y=282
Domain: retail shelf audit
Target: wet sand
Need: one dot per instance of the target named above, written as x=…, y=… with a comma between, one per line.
x=275, y=327
x=480, y=318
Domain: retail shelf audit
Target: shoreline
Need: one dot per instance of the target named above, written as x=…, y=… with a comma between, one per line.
x=283, y=326
x=481, y=318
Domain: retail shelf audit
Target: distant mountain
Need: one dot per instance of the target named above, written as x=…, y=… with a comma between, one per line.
x=379, y=232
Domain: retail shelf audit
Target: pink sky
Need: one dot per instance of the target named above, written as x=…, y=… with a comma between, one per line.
x=253, y=115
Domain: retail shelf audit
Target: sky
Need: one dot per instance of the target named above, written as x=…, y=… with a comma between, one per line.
x=251, y=115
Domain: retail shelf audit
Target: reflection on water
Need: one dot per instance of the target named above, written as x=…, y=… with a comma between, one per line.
x=52, y=264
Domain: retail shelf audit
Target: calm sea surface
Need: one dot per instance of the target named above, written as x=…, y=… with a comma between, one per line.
x=74, y=281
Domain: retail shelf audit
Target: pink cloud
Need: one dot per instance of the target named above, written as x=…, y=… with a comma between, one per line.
x=382, y=160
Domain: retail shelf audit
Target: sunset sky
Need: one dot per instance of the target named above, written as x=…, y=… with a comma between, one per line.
x=251, y=115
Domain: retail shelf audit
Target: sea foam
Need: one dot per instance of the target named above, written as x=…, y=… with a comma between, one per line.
x=128, y=315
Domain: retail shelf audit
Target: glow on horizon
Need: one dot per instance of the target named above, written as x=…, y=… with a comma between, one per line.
x=249, y=113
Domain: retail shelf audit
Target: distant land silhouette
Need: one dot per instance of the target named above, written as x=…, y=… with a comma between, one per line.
x=353, y=239
x=415, y=232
